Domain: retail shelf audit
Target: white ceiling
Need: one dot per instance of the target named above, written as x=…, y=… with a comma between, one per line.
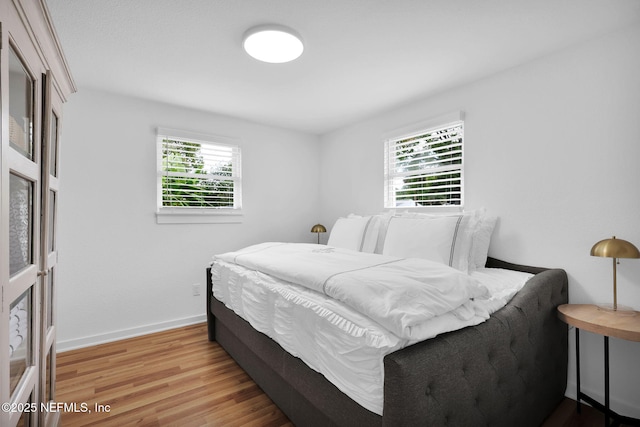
x=361, y=57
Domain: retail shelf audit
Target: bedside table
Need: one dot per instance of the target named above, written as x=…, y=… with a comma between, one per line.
x=609, y=324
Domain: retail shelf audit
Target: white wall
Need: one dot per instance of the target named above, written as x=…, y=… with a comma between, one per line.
x=553, y=148
x=121, y=273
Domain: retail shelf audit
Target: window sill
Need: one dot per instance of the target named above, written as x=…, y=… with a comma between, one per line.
x=198, y=216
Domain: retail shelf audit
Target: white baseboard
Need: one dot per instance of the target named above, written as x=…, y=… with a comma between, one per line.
x=76, y=343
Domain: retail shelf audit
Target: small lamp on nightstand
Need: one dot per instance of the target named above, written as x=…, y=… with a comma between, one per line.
x=615, y=248
x=318, y=228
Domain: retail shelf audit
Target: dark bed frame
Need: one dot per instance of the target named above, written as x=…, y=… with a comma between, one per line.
x=508, y=371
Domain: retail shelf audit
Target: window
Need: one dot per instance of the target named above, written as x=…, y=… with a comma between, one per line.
x=424, y=167
x=199, y=178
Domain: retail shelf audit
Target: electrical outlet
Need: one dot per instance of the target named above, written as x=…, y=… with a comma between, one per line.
x=196, y=289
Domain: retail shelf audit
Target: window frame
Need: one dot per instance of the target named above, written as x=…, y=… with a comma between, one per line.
x=198, y=215
x=414, y=130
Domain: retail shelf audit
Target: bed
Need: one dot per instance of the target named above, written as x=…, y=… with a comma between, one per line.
x=509, y=369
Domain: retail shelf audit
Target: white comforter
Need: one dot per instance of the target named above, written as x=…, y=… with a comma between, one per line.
x=402, y=295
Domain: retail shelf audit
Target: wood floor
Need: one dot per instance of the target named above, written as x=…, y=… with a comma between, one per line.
x=173, y=378
x=179, y=378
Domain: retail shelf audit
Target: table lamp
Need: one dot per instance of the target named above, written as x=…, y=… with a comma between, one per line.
x=318, y=228
x=615, y=248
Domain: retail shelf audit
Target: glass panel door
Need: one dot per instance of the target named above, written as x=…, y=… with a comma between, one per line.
x=53, y=152
x=26, y=419
x=20, y=107
x=20, y=223
x=20, y=339
x=21, y=211
x=49, y=255
x=49, y=380
x=30, y=121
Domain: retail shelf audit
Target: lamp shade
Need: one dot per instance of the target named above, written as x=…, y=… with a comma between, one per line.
x=615, y=248
x=318, y=228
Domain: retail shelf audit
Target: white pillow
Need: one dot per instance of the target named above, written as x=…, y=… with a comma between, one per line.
x=445, y=239
x=370, y=236
x=483, y=224
x=348, y=233
x=481, y=241
x=376, y=232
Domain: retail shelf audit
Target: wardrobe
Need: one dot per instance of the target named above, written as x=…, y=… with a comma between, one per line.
x=35, y=81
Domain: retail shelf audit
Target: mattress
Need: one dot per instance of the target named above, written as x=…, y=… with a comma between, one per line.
x=345, y=346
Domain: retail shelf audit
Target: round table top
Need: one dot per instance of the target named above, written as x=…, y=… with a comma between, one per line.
x=594, y=319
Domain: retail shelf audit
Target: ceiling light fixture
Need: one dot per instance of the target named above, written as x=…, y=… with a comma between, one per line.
x=273, y=43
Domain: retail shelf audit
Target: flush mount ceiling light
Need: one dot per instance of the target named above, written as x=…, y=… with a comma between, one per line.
x=273, y=43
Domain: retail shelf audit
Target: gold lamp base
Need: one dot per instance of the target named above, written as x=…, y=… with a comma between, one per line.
x=621, y=310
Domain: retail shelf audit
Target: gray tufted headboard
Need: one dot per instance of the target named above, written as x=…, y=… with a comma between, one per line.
x=510, y=370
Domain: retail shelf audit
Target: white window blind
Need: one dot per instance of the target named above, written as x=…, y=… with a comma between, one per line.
x=198, y=175
x=425, y=168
